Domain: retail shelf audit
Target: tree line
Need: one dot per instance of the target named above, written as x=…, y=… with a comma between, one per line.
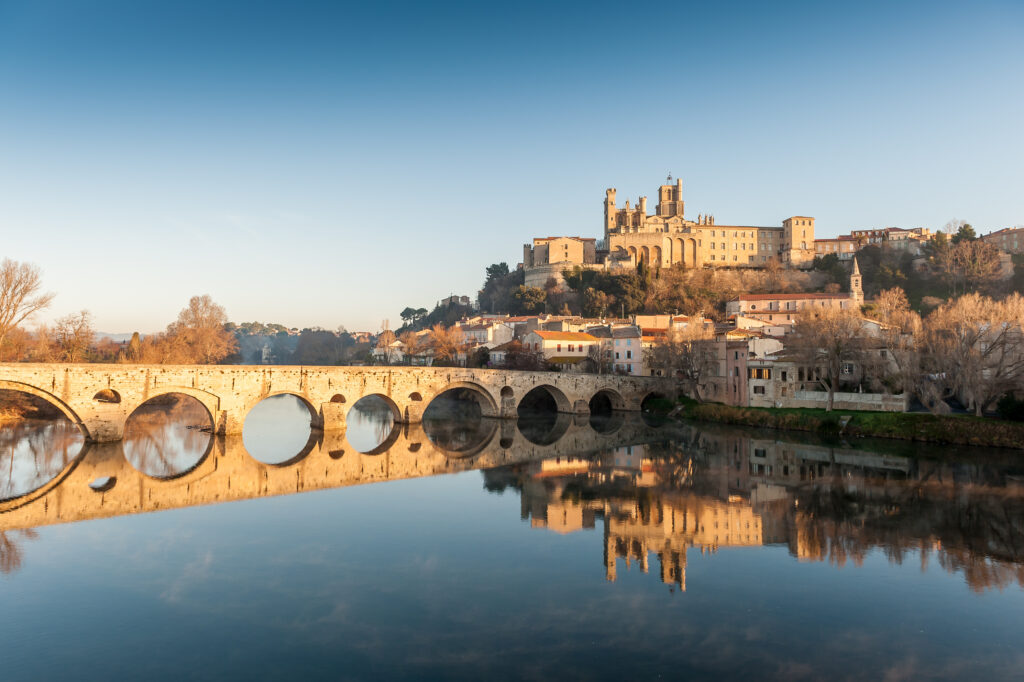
x=198, y=336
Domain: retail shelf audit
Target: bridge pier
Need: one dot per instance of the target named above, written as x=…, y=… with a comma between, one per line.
x=106, y=430
x=331, y=417
x=411, y=413
x=230, y=422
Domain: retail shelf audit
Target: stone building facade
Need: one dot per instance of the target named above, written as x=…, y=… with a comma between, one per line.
x=1009, y=239
x=668, y=236
x=546, y=257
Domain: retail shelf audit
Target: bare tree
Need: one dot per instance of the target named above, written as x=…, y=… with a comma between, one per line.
x=687, y=353
x=73, y=335
x=889, y=303
x=902, y=337
x=385, y=344
x=970, y=264
x=446, y=343
x=410, y=344
x=199, y=335
x=976, y=345
x=833, y=338
x=20, y=295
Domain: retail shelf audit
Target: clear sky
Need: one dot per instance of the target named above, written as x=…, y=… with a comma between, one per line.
x=322, y=164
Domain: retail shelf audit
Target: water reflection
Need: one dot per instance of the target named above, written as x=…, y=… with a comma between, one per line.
x=454, y=422
x=277, y=430
x=33, y=452
x=656, y=493
x=370, y=424
x=712, y=491
x=168, y=436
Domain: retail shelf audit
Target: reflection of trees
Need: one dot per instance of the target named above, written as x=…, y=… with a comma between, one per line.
x=376, y=413
x=10, y=550
x=167, y=437
x=976, y=530
x=33, y=452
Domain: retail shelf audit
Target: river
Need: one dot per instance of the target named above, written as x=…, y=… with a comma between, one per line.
x=559, y=547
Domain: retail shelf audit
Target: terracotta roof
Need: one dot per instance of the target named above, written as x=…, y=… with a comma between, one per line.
x=789, y=297
x=564, y=336
x=582, y=239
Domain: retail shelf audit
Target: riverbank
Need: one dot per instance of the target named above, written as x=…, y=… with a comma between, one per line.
x=15, y=406
x=927, y=428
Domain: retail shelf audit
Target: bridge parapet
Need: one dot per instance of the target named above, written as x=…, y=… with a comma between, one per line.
x=100, y=398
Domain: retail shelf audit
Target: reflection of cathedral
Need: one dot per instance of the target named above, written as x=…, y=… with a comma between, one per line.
x=824, y=503
x=566, y=496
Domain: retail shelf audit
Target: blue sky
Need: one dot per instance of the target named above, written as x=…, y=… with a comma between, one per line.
x=323, y=164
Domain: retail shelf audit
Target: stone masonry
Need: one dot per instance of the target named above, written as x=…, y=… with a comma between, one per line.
x=100, y=398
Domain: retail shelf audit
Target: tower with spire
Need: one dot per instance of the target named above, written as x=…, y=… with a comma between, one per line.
x=856, y=284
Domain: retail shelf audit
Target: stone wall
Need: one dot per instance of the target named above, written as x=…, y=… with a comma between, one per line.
x=874, y=402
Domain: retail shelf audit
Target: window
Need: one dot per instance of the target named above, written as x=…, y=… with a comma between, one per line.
x=784, y=375
x=629, y=342
x=759, y=390
x=847, y=368
x=629, y=355
x=571, y=349
x=558, y=348
x=616, y=355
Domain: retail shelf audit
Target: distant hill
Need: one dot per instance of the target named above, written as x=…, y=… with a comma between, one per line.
x=120, y=338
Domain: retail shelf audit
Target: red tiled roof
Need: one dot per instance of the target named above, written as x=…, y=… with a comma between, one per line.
x=790, y=297
x=564, y=336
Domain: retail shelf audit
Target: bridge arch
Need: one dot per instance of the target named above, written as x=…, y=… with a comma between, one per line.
x=208, y=400
x=562, y=402
x=486, y=401
x=613, y=399
x=48, y=397
x=144, y=440
x=392, y=405
x=313, y=414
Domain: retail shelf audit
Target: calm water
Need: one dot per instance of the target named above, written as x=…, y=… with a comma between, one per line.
x=558, y=548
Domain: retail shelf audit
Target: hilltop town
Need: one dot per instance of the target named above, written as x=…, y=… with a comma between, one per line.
x=883, y=319
x=764, y=316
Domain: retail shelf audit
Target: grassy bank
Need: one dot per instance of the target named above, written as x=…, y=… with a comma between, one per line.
x=928, y=428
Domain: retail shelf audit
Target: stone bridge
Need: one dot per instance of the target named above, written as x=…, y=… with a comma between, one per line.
x=101, y=483
x=100, y=398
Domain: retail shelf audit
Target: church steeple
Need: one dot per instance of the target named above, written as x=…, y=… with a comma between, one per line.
x=856, y=284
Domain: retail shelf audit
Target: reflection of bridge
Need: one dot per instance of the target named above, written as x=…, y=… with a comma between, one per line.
x=99, y=398
x=101, y=483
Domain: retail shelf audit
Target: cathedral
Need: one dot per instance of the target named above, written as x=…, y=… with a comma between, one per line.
x=668, y=236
